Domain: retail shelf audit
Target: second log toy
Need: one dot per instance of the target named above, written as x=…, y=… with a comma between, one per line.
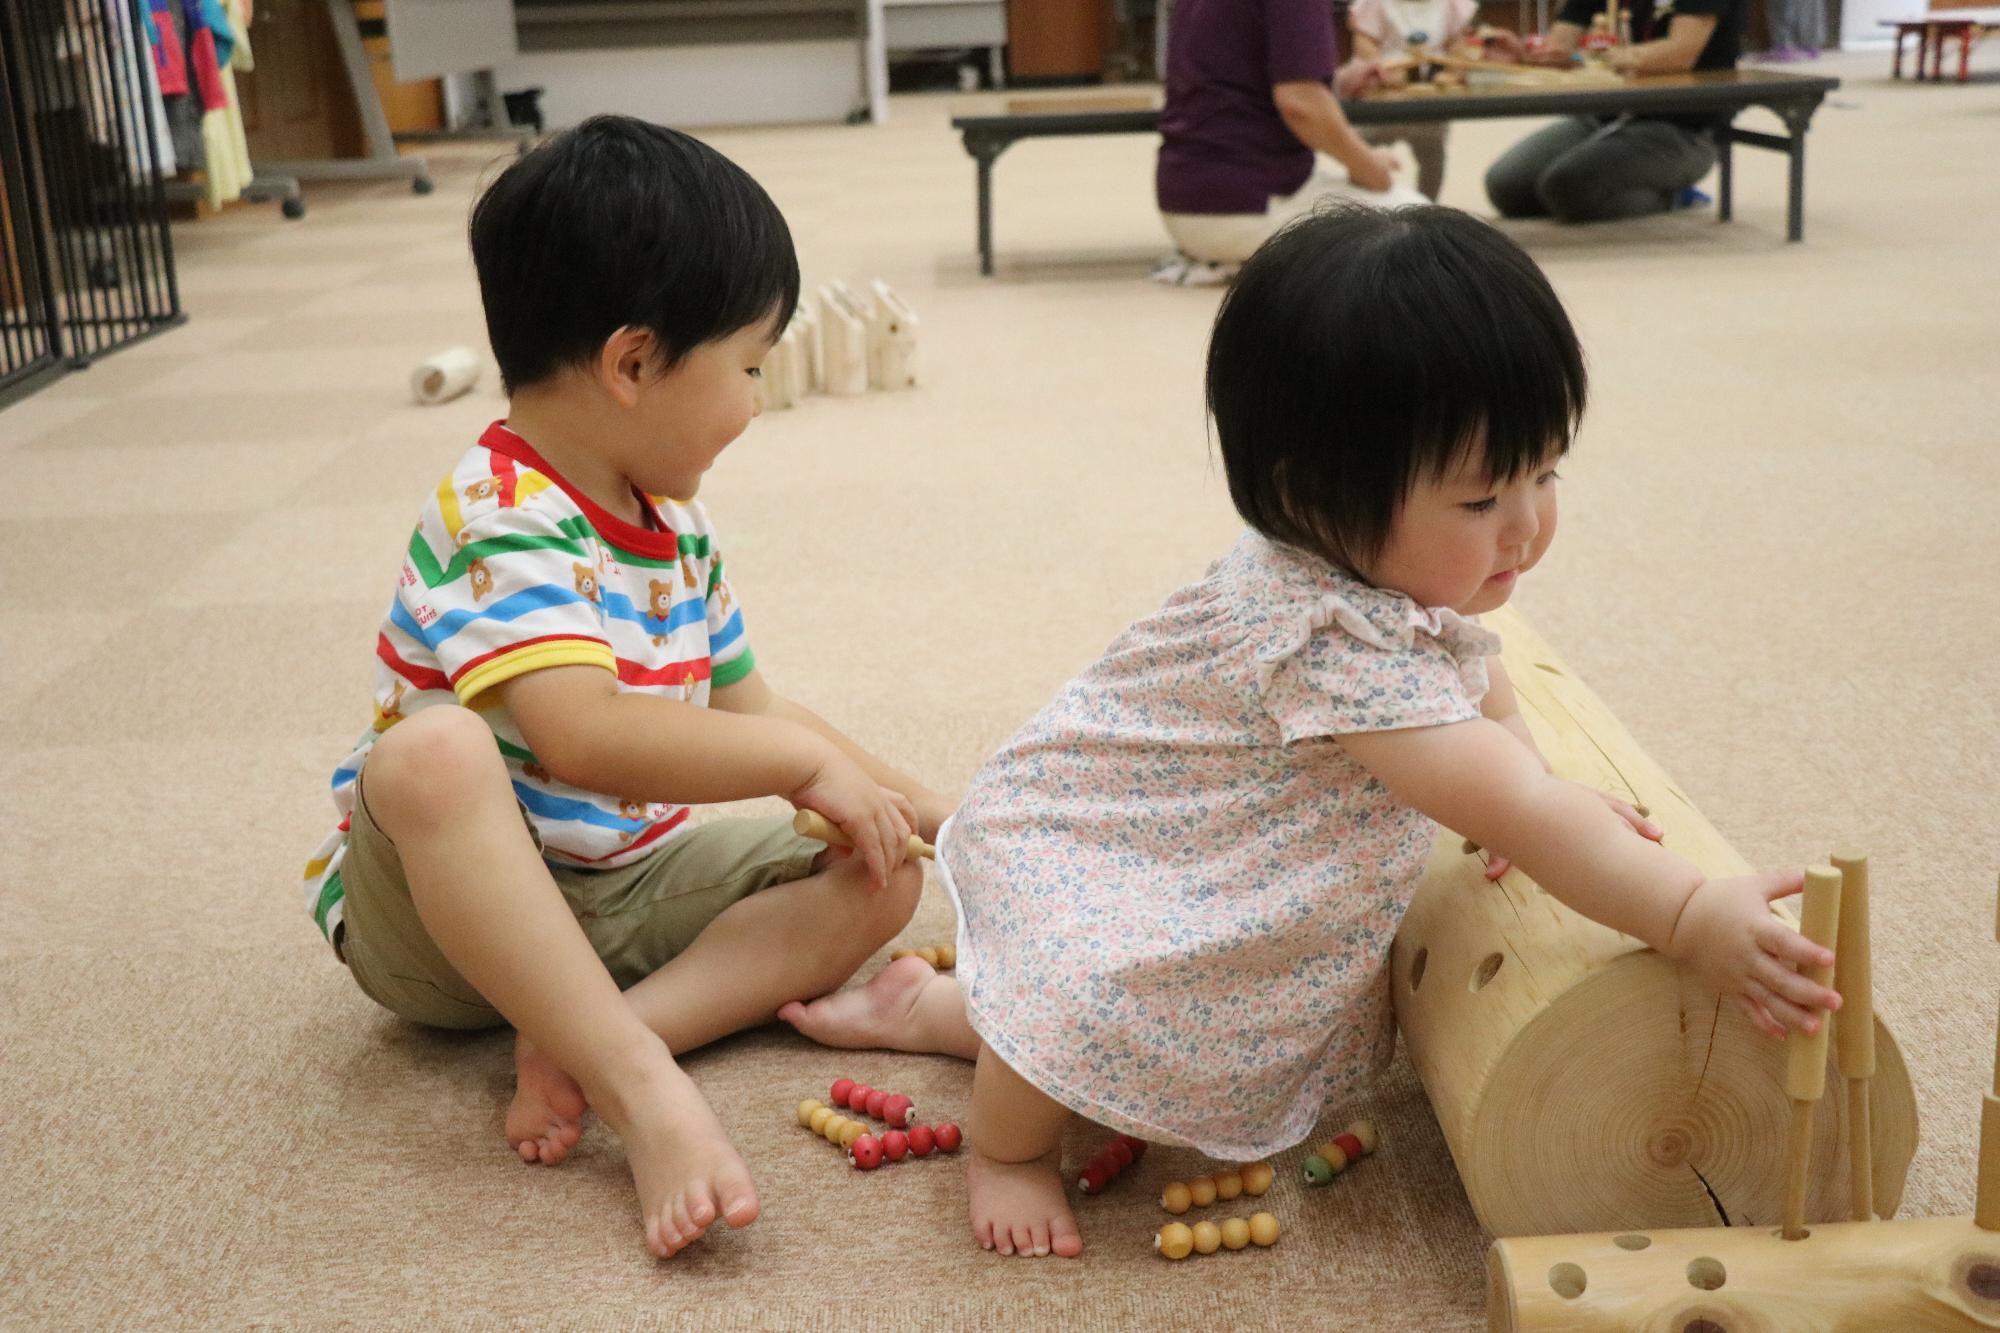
x=812, y=824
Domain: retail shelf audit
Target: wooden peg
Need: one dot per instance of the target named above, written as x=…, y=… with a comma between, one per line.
x=843, y=337
x=812, y=824
x=1805, y=1070
x=1986, y=1205
x=1854, y=1029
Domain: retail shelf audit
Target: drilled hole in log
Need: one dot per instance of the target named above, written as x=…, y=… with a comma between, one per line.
x=1983, y=1281
x=1470, y=847
x=1417, y=968
x=1706, y=1273
x=1703, y=1326
x=1567, y=1281
x=1487, y=967
x=1631, y=1242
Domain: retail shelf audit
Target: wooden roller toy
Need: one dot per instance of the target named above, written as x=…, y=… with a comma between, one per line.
x=1177, y=1240
x=893, y=1107
x=1104, y=1168
x=814, y=825
x=943, y=957
x=1202, y=1191
x=1343, y=1150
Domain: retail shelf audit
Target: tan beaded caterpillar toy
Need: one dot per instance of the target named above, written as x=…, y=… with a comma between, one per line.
x=1202, y=1191
x=1341, y=1151
x=1176, y=1240
x=943, y=957
x=824, y=1121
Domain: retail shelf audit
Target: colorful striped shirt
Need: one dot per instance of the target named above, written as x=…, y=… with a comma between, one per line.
x=511, y=570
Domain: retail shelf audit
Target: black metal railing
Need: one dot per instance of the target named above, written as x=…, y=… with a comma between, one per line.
x=86, y=260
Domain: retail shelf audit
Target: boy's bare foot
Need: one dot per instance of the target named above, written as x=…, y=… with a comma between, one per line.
x=687, y=1171
x=879, y=1016
x=546, y=1118
x=1018, y=1207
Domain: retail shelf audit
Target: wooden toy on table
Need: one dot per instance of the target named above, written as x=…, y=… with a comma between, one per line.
x=943, y=957
x=1111, y=1160
x=1201, y=1191
x=1341, y=1151
x=1937, y=1274
x=1583, y=1082
x=812, y=824
x=1177, y=1240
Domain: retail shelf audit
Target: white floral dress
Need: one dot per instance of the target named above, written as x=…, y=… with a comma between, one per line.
x=1176, y=892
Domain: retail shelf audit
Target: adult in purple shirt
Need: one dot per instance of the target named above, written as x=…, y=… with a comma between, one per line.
x=1251, y=98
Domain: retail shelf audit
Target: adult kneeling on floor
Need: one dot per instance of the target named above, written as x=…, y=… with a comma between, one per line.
x=1600, y=168
x=1251, y=96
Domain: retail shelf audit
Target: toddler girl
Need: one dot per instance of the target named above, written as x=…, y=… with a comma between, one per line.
x=1177, y=885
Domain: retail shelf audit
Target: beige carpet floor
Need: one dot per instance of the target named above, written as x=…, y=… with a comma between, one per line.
x=1780, y=566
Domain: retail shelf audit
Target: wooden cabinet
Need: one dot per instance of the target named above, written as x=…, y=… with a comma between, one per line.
x=1056, y=39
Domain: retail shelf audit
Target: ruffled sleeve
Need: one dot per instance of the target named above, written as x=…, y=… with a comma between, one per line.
x=1350, y=657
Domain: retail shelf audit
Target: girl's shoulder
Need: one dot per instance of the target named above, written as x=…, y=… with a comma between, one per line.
x=1285, y=598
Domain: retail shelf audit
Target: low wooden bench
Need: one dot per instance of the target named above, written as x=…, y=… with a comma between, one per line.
x=1933, y=29
x=1722, y=94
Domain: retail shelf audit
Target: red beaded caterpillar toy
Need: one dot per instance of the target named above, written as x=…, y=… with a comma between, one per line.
x=1341, y=1151
x=893, y=1107
x=1104, y=1168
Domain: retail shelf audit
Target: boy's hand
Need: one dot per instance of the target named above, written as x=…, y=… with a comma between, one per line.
x=1729, y=936
x=932, y=810
x=868, y=814
x=1623, y=808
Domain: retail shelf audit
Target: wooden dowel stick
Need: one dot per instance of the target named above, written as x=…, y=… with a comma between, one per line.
x=812, y=824
x=1854, y=1028
x=1986, y=1205
x=1805, y=1070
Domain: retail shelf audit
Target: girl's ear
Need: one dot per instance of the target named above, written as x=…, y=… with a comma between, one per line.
x=625, y=363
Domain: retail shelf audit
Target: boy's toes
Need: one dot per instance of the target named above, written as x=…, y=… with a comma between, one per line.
x=737, y=1197
x=792, y=1012
x=1064, y=1238
x=1038, y=1239
x=982, y=1231
x=1024, y=1240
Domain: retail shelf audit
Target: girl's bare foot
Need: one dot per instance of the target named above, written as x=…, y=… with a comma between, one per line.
x=1018, y=1207
x=546, y=1118
x=907, y=1006
x=687, y=1171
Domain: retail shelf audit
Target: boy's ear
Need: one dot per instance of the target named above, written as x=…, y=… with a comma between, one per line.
x=625, y=363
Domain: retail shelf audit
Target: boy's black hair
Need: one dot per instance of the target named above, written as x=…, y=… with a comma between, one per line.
x=1362, y=349
x=622, y=223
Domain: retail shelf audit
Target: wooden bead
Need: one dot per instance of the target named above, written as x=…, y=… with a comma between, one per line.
x=1228, y=1184
x=1202, y=1191
x=922, y=1140
x=1318, y=1170
x=1350, y=1145
x=876, y=1099
x=866, y=1152
x=806, y=1109
x=1175, y=1241
x=838, y=1094
x=1263, y=1229
x=1364, y=1130
x=1235, y=1233
x=895, y=1144
x=947, y=957
x=948, y=1137
x=1176, y=1199
x=1207, y=1237
x=1336, y=1155
x=896, y=1109
x=851, y=1131
x=929, y=955
x=817, y=1121
x=1257, y=1178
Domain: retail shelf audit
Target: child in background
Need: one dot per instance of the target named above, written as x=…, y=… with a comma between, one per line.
x=1177, y=885
x=1384, y=30
x=563, y=671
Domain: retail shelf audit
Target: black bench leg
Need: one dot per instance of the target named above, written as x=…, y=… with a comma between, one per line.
x=1725, y=204
x=1795, y=199
x=985, y=215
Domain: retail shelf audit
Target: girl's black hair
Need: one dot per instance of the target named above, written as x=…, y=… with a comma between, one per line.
x=1362, y=349
x=620, y=223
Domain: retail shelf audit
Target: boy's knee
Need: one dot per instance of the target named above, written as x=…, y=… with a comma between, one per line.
x=890, y=909
x=426, y=767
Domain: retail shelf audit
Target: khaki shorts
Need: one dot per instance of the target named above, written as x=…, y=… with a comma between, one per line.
x=637, y=917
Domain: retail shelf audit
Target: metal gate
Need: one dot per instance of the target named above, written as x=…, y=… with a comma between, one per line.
x=86, y=261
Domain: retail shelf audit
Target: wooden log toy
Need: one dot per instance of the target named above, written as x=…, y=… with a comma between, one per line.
x=1110, y=1161
x=1341, y=1151
x=812, y=824
x=843, y=339
x=1805, y=1072
x=892, y=340
x=1177, y=1240
x=1986, y=1202
x=1583, y=1082
x=943, y=957
x=1201, y=1191
x=1854, y=1028
x=893, y=1107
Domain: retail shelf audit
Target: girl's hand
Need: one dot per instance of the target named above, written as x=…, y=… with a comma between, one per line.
x=932, y=809
x=1728, y=935
x=876, y=820
x=1623, y=808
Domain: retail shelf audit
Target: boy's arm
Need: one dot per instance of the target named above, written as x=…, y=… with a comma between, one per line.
x=753, y=697
x=1476, y=779
x=590, y=734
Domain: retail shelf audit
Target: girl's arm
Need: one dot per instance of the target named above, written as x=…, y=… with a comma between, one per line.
x=1504, y=706
x=1479, y=780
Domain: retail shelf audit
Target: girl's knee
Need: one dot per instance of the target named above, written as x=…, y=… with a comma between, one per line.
x=430, y=764
x=890, y=908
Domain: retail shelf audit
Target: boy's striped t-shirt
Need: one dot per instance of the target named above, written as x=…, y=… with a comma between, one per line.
x=511, y=570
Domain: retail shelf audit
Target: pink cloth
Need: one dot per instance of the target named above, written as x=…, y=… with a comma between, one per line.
x=1391, y=22
x=1176, y=893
